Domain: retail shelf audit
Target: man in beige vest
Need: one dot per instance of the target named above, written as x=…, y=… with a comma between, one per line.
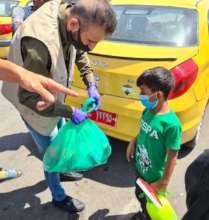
x=49, y=41
x=19, y=14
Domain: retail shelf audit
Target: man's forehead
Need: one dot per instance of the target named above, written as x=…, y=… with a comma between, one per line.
x=94, y=33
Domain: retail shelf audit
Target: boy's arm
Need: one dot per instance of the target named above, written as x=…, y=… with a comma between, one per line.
x=161, y=185
x=130, y=149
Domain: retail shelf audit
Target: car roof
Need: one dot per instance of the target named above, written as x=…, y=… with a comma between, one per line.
x=175, y=3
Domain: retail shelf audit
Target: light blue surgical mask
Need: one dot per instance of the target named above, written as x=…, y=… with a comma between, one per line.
x=144, y=99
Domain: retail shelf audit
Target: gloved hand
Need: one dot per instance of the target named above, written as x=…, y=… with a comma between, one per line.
x=93, y=93
x=78, y=116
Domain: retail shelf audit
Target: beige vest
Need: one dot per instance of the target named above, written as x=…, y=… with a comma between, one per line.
x=42, y=25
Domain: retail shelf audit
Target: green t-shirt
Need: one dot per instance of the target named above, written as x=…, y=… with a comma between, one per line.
x=158, y=133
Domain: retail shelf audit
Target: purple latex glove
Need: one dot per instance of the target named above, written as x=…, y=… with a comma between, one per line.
x=93, y=93
x=78, y=116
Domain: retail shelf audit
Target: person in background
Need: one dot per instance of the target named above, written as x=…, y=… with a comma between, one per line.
x=197, y=188
x=19, y=14
x=155, y=149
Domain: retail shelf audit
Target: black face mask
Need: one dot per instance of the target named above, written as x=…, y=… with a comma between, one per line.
x=77, y=43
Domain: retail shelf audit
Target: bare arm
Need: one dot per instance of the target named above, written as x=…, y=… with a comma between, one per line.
x=170, y=165
x=161, y=185
x=130, y=149
x=32, y=82
x=9, y=71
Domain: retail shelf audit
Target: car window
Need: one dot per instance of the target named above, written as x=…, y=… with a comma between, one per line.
x=6, y=7
x=168, y=26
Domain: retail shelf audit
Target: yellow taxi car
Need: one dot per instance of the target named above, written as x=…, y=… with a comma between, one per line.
x=169, y=33
x=6, y=7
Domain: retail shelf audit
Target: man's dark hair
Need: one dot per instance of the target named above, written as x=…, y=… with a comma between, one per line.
x=95, y=12
x=157, y=79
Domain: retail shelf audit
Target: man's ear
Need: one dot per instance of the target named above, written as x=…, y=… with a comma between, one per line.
x=73, y=24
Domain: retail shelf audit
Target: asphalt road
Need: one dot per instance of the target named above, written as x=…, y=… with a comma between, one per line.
x=108, y=191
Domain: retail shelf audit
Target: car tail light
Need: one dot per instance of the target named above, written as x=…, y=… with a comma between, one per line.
x=184, y=74
x=5, y=29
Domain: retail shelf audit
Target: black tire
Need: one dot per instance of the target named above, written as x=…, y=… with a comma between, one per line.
x=192, y=143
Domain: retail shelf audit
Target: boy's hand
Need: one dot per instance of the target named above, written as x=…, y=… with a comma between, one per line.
x=160, y=186
x=130, y=151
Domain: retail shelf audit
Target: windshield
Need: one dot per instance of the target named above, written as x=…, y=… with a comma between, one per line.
x=6, y=7
x=153, y=25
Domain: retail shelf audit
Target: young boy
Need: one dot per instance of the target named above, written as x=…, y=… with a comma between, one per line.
x=155, y=149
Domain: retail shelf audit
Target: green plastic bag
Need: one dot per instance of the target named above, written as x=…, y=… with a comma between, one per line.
x=78, y=147
x=166, y=212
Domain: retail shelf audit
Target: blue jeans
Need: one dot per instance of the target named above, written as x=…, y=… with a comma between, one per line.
x=42, y=143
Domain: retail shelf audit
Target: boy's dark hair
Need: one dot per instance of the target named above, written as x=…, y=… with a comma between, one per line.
x=157, y=79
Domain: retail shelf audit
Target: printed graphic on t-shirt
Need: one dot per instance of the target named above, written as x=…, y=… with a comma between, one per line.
x=143, y=158
x=149, y=130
